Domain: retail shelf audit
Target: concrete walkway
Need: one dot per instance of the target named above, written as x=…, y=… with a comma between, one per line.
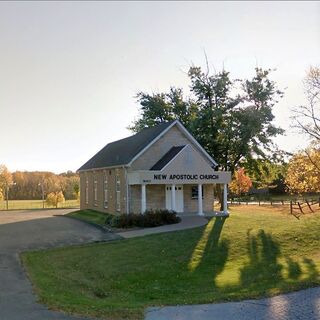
x=187, y=222
x=301, y=305
x=31, y=230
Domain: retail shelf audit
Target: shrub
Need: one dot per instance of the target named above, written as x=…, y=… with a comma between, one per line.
x=151, y=218
x=54, y=198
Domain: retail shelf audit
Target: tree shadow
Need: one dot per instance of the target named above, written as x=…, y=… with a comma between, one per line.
x=294, y=269
x=263, y=265
x=210, y=251
x=313, y=272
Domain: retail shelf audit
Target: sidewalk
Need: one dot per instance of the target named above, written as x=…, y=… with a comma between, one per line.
x=187, y=222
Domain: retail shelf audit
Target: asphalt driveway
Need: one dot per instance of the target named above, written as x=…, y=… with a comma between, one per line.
x=29, y=230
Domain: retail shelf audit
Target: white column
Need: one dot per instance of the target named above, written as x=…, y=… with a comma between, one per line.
x=200, y=209
x=225, y=201
x=143, y=198
x=173, y=197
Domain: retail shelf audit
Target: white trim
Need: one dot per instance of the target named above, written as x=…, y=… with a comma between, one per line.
x=143, y=198
x=174, y=156
x=173, y=197
x=200, y=204
x=189, y=135
x=103, y=168
x=185, y=131
x=225, y=198
x=151, y=143
x=127, y=189
x=181, y=127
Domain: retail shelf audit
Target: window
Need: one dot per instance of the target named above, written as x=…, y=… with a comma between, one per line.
x=87, y=191
x=106, y=191
x=117, y=191
x=95, y=191
x=194, y=192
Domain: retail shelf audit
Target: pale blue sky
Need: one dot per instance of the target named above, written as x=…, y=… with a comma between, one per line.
x=69, y=70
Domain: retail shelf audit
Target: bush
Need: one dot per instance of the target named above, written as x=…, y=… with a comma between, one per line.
x=151, y=218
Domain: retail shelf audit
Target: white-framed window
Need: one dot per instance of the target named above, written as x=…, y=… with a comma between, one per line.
x=105, y=191
x=95, y=191
x=118, y=204
x=87, y=191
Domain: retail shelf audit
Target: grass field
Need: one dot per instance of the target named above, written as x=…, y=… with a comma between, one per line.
x=257, y=251
x=35, y=204
x=90, y=216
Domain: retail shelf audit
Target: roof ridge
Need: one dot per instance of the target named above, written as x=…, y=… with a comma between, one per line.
x=122, y=151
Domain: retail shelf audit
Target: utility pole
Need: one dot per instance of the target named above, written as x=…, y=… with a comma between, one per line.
x=42, y=191
x=7, y=195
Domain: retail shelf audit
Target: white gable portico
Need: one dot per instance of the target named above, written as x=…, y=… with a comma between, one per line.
x=184, y=166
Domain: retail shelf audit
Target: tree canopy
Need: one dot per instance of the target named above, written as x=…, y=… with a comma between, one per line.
x=241, y=183
x=231, y=119
x=303, y=173
x=28, y=185
x=307, y=117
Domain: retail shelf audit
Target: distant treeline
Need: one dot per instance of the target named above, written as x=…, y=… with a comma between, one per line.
x=29, y=185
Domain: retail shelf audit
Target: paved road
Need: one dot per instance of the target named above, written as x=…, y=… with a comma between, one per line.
x=302, y=305
x=27, y=230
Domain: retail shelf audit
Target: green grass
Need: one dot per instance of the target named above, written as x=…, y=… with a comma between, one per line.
x=35, y=204
x=90, y=215
x=257, y=251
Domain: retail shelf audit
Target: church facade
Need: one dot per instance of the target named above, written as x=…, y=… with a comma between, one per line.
x=162, y=167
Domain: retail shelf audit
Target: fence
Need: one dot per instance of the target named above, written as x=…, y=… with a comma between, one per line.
x=298, y=208
x=35, y=204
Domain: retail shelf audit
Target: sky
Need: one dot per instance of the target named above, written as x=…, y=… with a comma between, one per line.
x=69, y=71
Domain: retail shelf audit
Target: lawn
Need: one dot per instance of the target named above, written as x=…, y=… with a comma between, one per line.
x=90, y=216
x=257, y=251
x=35, y=204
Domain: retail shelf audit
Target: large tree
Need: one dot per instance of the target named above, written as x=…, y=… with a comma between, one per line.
x=303, y=172
x=232, y=119
x=307, y=117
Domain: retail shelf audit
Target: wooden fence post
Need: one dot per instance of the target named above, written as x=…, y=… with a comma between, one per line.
x=300, y=207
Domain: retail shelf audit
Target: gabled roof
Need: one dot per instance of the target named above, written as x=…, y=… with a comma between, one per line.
x=125, y=151
x=121, y=152
x=167, y=158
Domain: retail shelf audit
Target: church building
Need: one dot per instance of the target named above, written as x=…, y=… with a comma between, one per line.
x=161, y=167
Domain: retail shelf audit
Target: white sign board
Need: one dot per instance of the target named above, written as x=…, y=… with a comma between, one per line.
x=160, y=177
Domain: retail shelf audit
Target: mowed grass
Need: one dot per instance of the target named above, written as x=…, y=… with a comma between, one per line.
x=90, y=216
x=35, y=204
x=256, y=252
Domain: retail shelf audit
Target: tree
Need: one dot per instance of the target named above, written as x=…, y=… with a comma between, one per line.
x=266, y=174
x=162, y=107
x=232, y=119
x=307, y=117
x=54, y=198
x=303, y=172
x=241, y=183
x=5, y=179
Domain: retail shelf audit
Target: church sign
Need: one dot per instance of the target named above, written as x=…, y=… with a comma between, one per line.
x=159, y=177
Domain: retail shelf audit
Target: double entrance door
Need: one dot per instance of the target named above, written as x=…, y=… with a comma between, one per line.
x=178, y=195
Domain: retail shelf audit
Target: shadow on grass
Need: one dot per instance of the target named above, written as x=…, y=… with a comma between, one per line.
x=264, y=268
x=209, y=251
x=263, y=265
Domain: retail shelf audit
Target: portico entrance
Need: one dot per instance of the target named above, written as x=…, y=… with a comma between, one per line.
x=174, y=197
